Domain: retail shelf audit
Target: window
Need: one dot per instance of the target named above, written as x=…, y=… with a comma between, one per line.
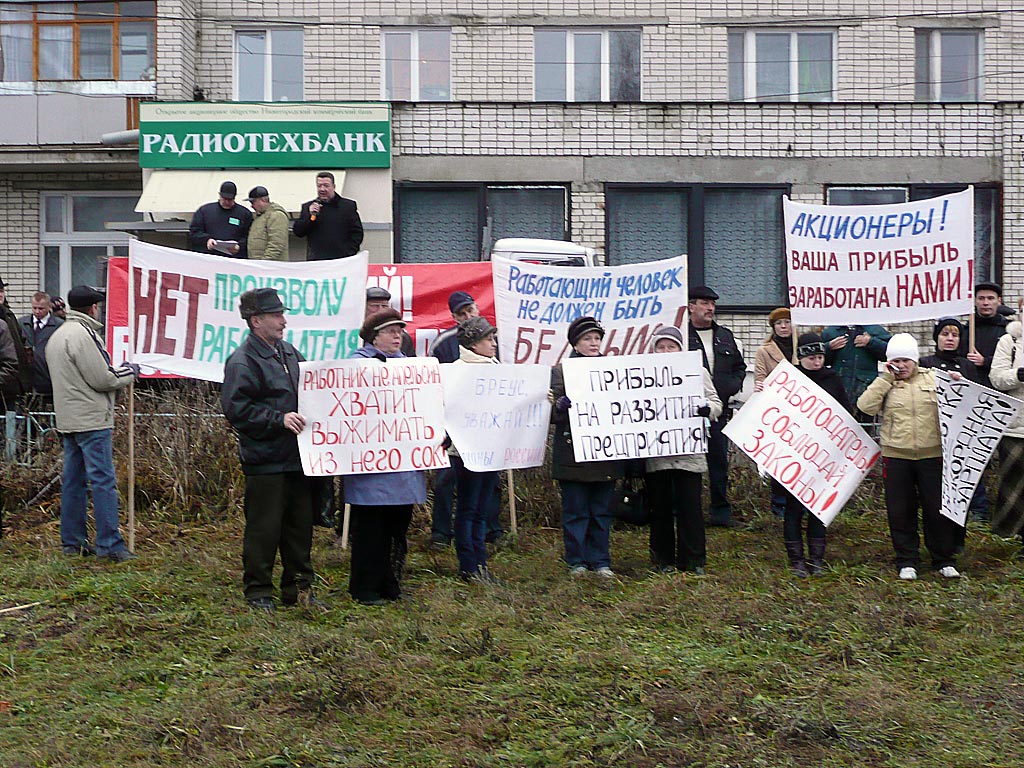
x=417, y=65
x=586, y=65
x=782, y=65
x=75, y=244
x=948, y=65
x=458, y=222
x=733, y=235
x=986, y=214
x=77, y=41
x=269, y=65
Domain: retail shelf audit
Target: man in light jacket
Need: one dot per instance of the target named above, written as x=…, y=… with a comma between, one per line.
x=268, y=235
x=84, y=389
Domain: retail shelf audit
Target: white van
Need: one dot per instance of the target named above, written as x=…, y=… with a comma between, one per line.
x=558, y=253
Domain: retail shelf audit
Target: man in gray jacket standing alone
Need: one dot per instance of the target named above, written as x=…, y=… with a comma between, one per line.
x=84, y=387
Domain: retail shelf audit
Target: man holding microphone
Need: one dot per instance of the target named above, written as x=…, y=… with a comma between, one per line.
x=331, y=222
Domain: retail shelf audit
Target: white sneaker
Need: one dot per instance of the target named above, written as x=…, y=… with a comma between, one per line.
x=578, y=570
x=909, y=573
x=605, y=572
x=949, y=572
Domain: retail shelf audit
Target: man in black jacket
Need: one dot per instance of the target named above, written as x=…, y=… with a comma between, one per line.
x=260, y=400
x=38, y=328
x=331, y=222
x=989, y=327
x=724, y=360
x=222, y=220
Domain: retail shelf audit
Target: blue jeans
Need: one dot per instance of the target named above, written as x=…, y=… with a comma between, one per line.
x=587, y=522
x=89, y=458
x=475, y=489
x=445, y=481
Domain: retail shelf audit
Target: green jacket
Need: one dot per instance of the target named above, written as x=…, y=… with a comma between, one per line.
x=268, y=237
x=84, y=381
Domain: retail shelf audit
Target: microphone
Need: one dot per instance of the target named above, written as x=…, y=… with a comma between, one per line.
x=312, y=216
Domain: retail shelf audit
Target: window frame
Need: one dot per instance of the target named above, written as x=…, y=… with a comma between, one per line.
x=39, y=22
x=569, y=60
x=414, y=56
x=933, y=77
x=748, y=67
x=69, y=238
x=268, y=69
x=483, y=226
x=695, y=238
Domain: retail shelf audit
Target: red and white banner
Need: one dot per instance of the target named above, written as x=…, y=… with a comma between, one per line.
x=419, y=291
x=364, y=416
x=801, y=436
x=537, y=302
x=881, y=264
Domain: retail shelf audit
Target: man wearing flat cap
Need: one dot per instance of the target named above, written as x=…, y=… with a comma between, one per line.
x=377, y=300
x=261, y=401
x=723, y=358
x=268, y=236
x=84, y=390
x=224, y=220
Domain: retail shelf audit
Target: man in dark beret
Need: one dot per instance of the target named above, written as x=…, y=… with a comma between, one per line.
x=723, y=359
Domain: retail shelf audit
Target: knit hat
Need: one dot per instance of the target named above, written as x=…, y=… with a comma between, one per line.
x=668, y=332
x=902, y=345
x=378, y=321
x=582, y=325
x=810, y=344
x=779, y=313
x=473, y=330
x=942, y=322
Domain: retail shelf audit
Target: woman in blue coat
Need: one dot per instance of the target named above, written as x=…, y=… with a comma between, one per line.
x=381, y=502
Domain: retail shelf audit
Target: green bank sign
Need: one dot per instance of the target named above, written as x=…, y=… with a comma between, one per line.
x=265, y=135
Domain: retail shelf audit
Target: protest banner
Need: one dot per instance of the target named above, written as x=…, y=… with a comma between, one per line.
x=364, y=416
x=497, y=415
x=535, y=303
x=972, y=419
x=419, y=291
x=636, y=406
x=802, y=436
x=880, y=264
x=183, y=307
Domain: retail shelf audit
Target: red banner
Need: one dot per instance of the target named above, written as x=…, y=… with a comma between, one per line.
x=419, y=291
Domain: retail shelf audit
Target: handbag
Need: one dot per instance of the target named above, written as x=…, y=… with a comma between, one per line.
x=630, y=502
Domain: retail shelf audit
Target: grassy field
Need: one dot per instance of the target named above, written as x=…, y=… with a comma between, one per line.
x=159, y=662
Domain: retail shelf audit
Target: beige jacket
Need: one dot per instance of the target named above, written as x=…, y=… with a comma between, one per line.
x=910, y=414
x=766, y=358
x=268, y=236
x=84, y=381
x=1005, y=362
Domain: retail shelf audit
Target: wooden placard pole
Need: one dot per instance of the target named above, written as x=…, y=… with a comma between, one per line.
x=513, y=523
x=131, y=467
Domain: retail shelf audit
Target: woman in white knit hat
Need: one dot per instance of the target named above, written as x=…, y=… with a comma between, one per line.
x=904, y=395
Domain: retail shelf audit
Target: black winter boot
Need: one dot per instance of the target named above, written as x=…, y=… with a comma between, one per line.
x=816, y=556
x=795, y=551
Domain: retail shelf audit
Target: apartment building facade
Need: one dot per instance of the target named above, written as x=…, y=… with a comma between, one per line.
x=640, y=129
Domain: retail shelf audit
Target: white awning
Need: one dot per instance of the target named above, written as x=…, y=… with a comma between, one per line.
x=175, y=191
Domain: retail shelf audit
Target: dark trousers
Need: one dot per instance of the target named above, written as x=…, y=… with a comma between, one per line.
x=909, y=483
x=677, y=520
x=587, y=522
x=792, y=522
x=445, y=484
x=475, y=489
x=378, y=550
x=278, y=517
x=718, y=473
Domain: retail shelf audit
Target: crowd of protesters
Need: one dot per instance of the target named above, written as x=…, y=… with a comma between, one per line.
x=880, y=378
